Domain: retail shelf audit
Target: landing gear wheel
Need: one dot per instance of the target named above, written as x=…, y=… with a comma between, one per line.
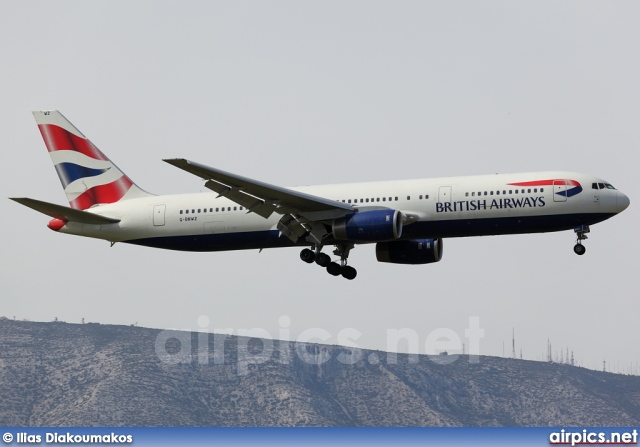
x=334, y=269
x=349, y=272
x=307, y=256
x=581, y=233
x=323, y=260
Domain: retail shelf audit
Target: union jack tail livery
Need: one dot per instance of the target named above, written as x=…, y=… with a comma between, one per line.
x=88, y=177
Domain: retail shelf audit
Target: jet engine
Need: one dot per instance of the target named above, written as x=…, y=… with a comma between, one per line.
x=417, y=251
x=371, y=226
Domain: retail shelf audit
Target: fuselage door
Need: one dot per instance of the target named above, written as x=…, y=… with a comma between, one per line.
x=158, y=215
x=444, y=194
x=559, y=190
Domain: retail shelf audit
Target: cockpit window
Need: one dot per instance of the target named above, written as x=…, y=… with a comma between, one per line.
x=602, y=186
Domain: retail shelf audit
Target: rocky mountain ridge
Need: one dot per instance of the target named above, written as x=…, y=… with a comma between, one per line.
x=59, y=374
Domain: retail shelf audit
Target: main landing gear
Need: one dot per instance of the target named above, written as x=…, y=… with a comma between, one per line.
x=581, y=233
x=324, y=260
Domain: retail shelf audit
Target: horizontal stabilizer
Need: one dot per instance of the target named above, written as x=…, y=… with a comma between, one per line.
x=65, y=213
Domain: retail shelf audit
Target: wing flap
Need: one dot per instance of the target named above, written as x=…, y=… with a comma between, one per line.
x=64, y=213
x=251, y=203
x=259, y=197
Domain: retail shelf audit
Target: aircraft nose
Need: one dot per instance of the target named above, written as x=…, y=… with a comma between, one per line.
x=622, y=202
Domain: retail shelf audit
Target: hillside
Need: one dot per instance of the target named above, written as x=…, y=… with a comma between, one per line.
x=58, y=374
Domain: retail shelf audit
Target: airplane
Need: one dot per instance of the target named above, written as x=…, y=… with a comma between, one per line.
x=406, y=219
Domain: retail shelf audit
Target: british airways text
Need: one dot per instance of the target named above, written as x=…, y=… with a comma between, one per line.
x=473, y=205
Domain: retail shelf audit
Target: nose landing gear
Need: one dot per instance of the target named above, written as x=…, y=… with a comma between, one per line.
x=581, y=233
x=324, y=260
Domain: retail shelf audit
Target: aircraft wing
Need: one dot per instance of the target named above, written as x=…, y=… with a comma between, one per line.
x=64, y=213
x=263, y=198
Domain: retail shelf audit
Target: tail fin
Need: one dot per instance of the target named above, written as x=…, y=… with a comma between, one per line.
x=88, y=177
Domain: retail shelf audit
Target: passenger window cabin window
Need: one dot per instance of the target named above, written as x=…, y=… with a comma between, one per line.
x=228, y=208
x=427, y=196
x=367, y=200
x=541, y=189
x=420, y=196
x=466, y=194
x=408, y=197
x=193, y=211
x=497, y=193
x=384, y=199
x=377, y=199
x=396, y=198
x=180, y=211
x=504, y=192
x=491, y=193
x=473, y=194
x=529, y=190
x=511, y=191
x=522, y=191
x=535, y=189
x=204, y=210
x=234, y=208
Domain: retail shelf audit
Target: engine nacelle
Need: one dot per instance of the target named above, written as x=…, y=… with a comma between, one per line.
x=377, y=225
x=417, y=251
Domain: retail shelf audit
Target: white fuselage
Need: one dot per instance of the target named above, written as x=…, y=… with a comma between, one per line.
x=445, y=207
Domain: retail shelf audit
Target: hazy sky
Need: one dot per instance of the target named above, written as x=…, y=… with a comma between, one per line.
x=297, y=93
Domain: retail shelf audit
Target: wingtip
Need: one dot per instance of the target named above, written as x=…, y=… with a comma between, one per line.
x=177, y=162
